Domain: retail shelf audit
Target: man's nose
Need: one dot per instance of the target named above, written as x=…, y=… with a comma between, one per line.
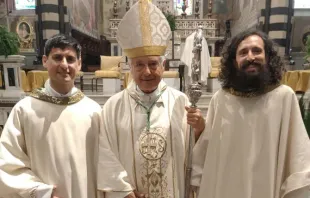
x=147, y=70
x=64, y=63
x=250, y=56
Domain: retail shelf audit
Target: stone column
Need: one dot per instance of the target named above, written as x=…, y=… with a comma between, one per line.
x=52, y=18
x=277, y=23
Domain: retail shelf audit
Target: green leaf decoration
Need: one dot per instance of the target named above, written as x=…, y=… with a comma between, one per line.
x=9, y=44
x=171, y=20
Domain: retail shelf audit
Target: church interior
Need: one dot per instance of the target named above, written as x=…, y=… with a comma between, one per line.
x=105, y=71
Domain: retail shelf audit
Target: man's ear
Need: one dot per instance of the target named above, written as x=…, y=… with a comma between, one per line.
x=44, y=60
x=164, y=63
x=236, y=64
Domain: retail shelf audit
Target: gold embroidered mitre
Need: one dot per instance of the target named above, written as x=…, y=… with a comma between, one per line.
x=143, y=31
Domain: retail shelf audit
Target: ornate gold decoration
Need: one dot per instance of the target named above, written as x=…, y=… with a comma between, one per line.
x=152, y=146
x=41, y=95
x=153, y=159
x=145, y=51
x=25, y=33
x=144, y=17
x=251, y=94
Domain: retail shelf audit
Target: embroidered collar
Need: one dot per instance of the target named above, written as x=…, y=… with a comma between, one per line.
x=52, y=92
x=42, y=95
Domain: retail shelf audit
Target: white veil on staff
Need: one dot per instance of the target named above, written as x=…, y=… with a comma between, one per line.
x=187, y=57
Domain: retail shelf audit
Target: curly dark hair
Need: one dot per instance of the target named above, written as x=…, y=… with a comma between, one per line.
x=228, y=69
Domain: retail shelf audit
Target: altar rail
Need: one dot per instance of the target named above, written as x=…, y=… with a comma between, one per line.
x=184, y=27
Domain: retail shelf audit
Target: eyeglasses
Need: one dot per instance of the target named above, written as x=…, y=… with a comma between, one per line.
x=141, y=66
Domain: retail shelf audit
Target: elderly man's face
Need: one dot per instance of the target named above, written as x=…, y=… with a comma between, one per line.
x=250, y=56
x=147, y=72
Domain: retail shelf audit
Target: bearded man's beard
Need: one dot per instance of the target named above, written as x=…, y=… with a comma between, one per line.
x=248, y=82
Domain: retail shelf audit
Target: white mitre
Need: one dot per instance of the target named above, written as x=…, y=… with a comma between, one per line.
x=143, y=31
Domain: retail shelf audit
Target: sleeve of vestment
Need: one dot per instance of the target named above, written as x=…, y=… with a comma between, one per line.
x=16, y=176
x=112, y=177
x=293, y=171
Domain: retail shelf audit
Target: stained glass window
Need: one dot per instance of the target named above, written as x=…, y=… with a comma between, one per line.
x=302, y=4
x=25, y=4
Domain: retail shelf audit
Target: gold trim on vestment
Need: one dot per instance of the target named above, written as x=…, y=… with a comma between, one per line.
x=144, y=17
x=41, y=95
x=152, y=148
x=251, y=94
x=145, y=51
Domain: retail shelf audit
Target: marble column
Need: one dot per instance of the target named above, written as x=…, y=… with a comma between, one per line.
x=277, y=16
x=52, y=18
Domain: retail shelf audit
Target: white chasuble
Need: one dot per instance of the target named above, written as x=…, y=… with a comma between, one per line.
x=133, y=154
x=253, y=147
x=50, y=142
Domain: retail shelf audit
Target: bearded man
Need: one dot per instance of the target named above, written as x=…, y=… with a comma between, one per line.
x=254, y=143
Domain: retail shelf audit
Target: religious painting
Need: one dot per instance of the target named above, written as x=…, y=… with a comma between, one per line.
x=84, y=18
x=25, y=32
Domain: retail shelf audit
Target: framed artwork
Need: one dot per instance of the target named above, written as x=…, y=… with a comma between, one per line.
x=25, y=33
x=84, y=17
x=23, y=30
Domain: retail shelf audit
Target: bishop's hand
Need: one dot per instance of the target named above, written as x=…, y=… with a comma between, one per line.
x=135, y=194
x=131, y=195
x=138, y=194
x=54, y=192
x=195, y=119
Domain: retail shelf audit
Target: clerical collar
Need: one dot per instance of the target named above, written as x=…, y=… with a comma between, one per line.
x=151, y=99
x=251, y=94
x=144, y=98
x=147, y=97
x=52, y=92
x=48, y=94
